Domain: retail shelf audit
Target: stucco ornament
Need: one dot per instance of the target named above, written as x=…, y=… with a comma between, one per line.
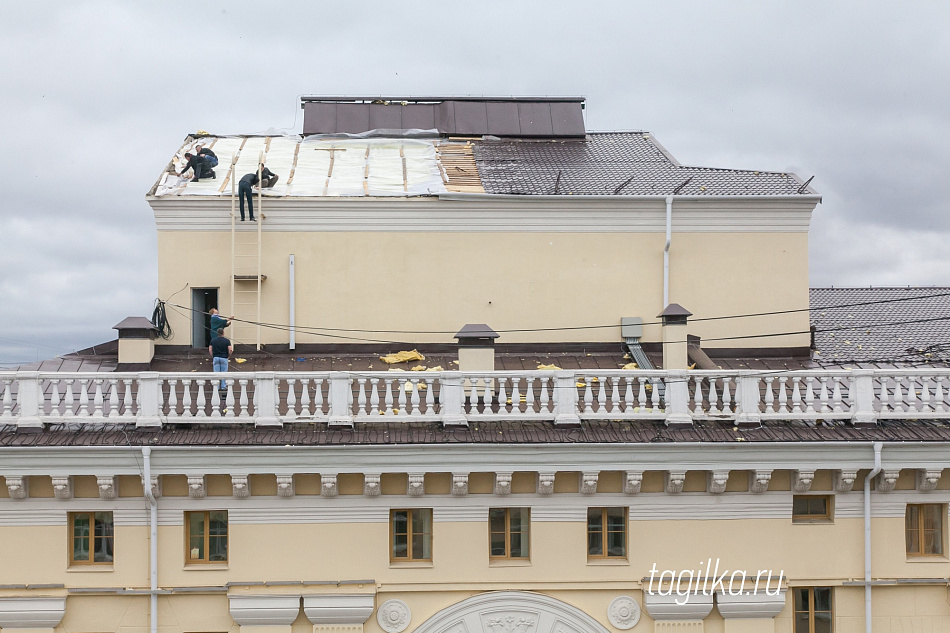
x=393, y=616
x=624, y=612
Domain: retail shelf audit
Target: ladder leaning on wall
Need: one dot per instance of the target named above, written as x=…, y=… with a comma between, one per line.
x=246, y=274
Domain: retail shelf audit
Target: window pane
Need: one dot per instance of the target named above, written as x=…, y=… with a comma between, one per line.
x=515, y=518
x=594, y=519
x=196, y=548
x=218, y=548
x=801, y=623
x=496, y=520
x=516, y=545
x=616, y=518
x=400, y=546
x=401, y=522
x=799, y=505
x=801, y=599
x=103, y=537
x=817, y=506
x=822, y=622
x=822, y=599
x=595, y=544
x=80, y=525
x=497, y=543
x=219, y=524
x=81, y=549
x=196, y=524
x=616, y=544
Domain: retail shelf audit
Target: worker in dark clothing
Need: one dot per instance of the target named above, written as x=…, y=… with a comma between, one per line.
x=220, y=350
x=266, y=179
x=211, y=160
x=199, y=164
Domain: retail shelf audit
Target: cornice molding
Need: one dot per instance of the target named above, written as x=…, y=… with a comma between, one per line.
x=494, y=214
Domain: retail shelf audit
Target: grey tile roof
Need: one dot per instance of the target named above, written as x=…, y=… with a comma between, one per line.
x=485, y=432
x=890, y=326
x=603, y=162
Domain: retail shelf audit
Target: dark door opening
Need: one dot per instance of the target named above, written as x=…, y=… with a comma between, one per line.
x=202, y=300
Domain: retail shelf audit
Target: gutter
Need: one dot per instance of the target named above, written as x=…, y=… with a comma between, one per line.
x=152, y=540
x=878, y=447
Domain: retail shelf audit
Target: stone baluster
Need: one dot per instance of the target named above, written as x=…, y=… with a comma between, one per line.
x=361, y=397
x=201, y=403
x=113, y=397
x=291, y=397
x=186, y=411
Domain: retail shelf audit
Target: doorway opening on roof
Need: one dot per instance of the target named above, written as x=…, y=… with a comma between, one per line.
x=202, y=300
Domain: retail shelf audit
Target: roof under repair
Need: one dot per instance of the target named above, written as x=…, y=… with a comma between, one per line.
x=425, y=147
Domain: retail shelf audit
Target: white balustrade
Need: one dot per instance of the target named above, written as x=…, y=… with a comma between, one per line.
x=456, y=398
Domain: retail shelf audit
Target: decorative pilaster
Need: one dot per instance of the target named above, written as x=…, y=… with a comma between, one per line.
x=62, y=488
x=502, y=483
x=801, y=480
x=843, y=480
x=927, y=479
x=285, y=485
x=589, y=482
x=759, y=480
x=18, y=487
x=673, y=481
x=887, y=479
x=108, y=487
x=328, y=485
x=196, y=487
x=240, y=486
x=371, y=485
x=417, y=485
x=716, y=481
x=460, y=484
x=631, y=481
x=156, y=485
x=545, y=483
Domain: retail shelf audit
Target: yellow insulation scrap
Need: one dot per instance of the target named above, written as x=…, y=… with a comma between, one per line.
x=402, y=357
x=436, y=368
x=630, y=366
x=240, y=360
x=418, y=368
x=547, y=367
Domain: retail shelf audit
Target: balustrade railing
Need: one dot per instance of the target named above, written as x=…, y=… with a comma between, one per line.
x=563, y=397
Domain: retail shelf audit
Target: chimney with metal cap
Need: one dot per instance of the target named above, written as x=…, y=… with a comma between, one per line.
x=675, y=353
x=476, y=347
x=136, y=343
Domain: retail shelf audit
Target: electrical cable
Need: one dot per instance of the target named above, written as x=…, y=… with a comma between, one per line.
x=160, y=320
x=306, y=329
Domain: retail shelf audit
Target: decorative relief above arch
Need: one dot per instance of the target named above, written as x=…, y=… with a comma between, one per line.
x=511, y=612
x=623, y=612
x=393, y=616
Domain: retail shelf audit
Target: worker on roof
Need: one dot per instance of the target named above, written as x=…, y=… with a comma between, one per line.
x=218, y=322
x=267, y=179
x=199, y=164
x=211, y=159
x=220, y=350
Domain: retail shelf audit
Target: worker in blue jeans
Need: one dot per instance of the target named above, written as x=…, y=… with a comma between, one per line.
x=220, y=350
x=266, y=179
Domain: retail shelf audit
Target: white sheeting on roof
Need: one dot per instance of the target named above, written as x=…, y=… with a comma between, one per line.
x=379, y=167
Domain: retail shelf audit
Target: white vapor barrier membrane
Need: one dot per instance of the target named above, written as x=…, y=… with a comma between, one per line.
x=343, y=167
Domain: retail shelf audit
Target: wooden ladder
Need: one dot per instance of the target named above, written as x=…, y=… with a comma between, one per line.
x=246, y=274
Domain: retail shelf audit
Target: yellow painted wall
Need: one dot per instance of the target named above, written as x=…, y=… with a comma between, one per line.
x=422, y=281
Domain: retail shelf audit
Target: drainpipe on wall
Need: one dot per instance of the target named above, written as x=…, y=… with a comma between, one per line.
x=878, y=446
x=666, y=250
x=152, y=541
x=293, y=310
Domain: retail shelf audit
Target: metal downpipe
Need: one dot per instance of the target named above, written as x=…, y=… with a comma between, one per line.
x=152, y=540
x=666, y=251
x=878, y=447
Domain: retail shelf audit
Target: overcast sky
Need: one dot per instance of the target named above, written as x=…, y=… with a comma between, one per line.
x=96, y=96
